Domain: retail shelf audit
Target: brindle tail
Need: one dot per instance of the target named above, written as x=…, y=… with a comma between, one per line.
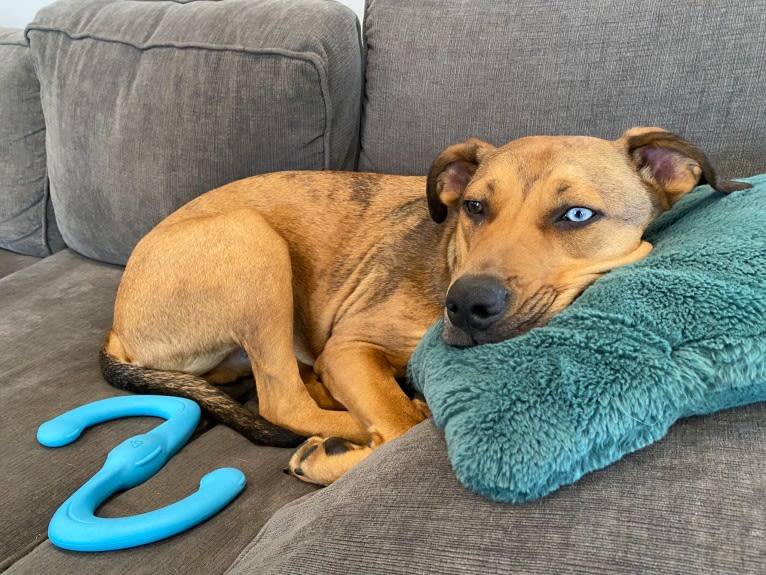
x=214, y=402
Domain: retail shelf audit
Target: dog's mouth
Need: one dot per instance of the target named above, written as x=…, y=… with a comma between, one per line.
x=467, y=337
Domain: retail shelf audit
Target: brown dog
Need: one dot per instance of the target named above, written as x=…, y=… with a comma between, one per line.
x=345, y=272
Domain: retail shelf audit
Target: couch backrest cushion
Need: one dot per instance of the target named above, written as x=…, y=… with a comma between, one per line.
x=439, y=72
x=149, y=104
x=27, y=224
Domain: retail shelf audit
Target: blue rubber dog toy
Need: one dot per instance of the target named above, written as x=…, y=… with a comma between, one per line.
x=75, y=527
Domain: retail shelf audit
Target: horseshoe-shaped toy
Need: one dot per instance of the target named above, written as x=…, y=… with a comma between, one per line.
x=76, y=527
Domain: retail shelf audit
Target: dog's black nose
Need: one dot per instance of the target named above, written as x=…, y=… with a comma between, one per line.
x=474, y=303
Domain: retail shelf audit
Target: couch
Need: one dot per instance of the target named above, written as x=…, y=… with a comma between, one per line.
x=114, y=113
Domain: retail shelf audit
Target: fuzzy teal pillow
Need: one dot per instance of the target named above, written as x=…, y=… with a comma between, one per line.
x=680, y=333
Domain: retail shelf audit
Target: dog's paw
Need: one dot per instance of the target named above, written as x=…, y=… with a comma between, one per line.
x=321, y=460
x=422, y=408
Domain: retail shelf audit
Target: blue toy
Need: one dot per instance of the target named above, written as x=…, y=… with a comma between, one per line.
x=75, y=527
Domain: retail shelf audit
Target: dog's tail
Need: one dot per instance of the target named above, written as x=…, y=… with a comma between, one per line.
x=214, y=402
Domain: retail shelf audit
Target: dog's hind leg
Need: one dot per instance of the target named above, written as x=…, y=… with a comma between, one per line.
x=317, y=390
x=232, y=291
x=235, y=366
x=265, y=330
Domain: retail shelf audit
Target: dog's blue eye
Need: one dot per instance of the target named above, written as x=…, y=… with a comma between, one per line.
x=473, y=207
x=578, y=215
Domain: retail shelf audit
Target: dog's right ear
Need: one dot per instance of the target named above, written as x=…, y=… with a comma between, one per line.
x=450, y=173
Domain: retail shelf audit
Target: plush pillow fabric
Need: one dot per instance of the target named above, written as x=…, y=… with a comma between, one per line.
x=680, y=333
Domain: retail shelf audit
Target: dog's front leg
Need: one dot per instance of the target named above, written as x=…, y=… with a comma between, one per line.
x=283, y=397
x=360, y=377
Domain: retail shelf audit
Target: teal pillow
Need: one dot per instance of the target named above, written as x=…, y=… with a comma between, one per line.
x=679, y=333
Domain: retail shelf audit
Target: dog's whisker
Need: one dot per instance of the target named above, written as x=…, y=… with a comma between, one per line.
x=535, y=311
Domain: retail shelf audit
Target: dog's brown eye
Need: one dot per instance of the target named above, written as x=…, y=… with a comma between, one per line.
x=473, y=207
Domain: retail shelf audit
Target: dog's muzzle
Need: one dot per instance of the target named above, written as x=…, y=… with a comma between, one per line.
x=475, y=303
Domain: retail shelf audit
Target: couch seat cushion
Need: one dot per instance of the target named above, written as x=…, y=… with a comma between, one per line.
x=692, y=503
x=53, y=318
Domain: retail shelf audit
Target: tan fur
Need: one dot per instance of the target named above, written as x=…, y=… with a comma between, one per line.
x=344, y=272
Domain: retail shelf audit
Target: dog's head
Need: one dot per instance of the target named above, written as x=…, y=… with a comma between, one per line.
x=539, y=219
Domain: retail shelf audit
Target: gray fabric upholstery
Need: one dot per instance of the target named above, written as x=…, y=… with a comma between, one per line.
x=27, y=224
x=55, y=315
x=11, y=262
x=439, y=72
x=684, y=505
x=149, y=104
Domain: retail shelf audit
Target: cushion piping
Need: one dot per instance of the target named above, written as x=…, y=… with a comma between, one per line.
x=304, y=57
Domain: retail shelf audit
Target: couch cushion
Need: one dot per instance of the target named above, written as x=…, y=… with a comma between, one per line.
x=27, y=225
x=53, y=318
x=692, y=503
x=149, y=104
x=438, y=73
x=11, y=262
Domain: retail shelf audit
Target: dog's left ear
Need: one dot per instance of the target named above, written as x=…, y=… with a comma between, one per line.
x=450, y=173
x=670, y=165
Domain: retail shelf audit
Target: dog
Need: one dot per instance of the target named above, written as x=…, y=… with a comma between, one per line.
x=322, y=283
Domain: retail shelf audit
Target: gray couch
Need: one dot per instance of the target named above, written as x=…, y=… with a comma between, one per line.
x=113, y=113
